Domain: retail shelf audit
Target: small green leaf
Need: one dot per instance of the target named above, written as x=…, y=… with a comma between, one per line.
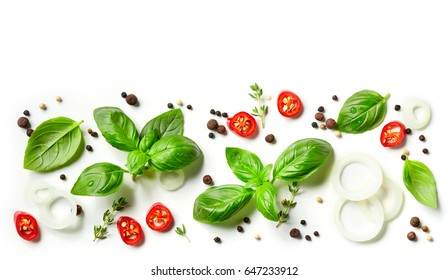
x=148, y=140
x=169, y=123
x=99, y=179
x=244, y=164
x=420, y=182
x=137, y=162
x=265, y=200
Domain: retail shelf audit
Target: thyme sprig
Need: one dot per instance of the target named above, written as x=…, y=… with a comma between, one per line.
x=182, y=232
x=288, y=203
x=100, y=231
x=262, y=110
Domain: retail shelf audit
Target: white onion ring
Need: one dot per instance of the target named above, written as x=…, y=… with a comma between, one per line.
x=369, y=188
x=409, y=117
x=377, y=211
x=171, y=180
x=40, y=192
x=390, y=196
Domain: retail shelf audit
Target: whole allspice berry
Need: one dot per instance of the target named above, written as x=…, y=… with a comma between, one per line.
x=319, y=116
x=207, y=179
x=221, y=129
x=330, y=123
x=294, y=233
x=415, y=222
x=270, y=138
x=131, y=99
x=23, y=122
x=412, y=236
x=212, y=124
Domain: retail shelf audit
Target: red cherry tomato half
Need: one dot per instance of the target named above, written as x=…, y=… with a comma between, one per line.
x=26, y=225
x=130, y=230
x=289, y=104
x=242, y=124
x=159, y=217
x=393, y=134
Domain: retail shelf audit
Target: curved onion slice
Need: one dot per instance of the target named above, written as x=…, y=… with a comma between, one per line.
x=370, y=187
x=409, y=117
x=390, y=196
x=40, y=192
x=48, y=217
x=373, y=205
x=171, y=180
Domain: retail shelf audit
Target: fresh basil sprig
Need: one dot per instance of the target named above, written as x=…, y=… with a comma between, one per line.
x=362, y=111
x=420, y=182
x=55, y=143
x=299, y=161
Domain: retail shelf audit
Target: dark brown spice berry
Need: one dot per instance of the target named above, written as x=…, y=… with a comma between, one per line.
x=412, y=236
x=170, y=105
x=314, y=124
x=319, y=116
x=62, y=177
x=246, y=220
x=94, y=134
x=335, y=98
x=397, y=107
x=212, y=124
x=211, y=135
x=89, y=148
x=23, y=122
x=294, y=233
x=218, y=113
x=425, y=228
x=425, y=151
x=403, y=157
x=29, y=131
x=225, y=115
x=78, y=209
x=207, y=179
x=239, y=229
x=131, y=99
x=422, y=138
x=89, y=131
x=189, y=107
x=316, y=233
x=321, y=109
x=415, y=222
x=217, y=239
x=307, y=237
x=408, y=131
x=303, y=222
x=26, y=113
x=330, y=123
x=270, y=138
x=221, y=129
x=212, y=111
x=124, y=94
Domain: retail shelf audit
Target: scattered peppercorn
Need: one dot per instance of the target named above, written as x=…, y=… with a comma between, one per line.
x=225, y=115
x=307, y=237
x=218, y=113
x=425, y=228
x=330, y=123
x=26, y=113
x=405, y=152
x=316, y=233
x=212, y=124
x=322, y=126
x=42, y=106
x=124, y=94
x=425, y=151
x=94, y=134
x=246, y=220
x=257, y=237
x=23, y=122
x=404, y=157
x=89, y=131
x=268, y=97
x=270, y=138
x=319, y=116
x=303, y=222
x=180, y=103
x=217, y=239
x=319, y=199
x=294, y=233
x=78, y=209
x=89, y=148
x=189, y=107
x=29, y=131
x=314, y=124
x=338, y=134
x=429, y=238
x=412, y=236
x=207, y=179
x=422, y=138
x=131, y=99
x=415, y=222
x=397, y=107
x=239, y=229
x=58, y=98
x=221, y=129
x=212, y=111
x=62, y=177
x=170, y=105
x=335, y=98
x=211, y=135
x=408, y=131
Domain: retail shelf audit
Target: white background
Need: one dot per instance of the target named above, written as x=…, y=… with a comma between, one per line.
x=208, y=53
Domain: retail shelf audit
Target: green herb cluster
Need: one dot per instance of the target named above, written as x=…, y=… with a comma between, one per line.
x=261, y=110
x=160, y=145
x=299, y=161
x=100, y=231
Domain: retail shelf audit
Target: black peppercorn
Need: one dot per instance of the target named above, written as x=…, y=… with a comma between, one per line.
x=212, y=124
x=403, y=157
x=321, y=109
x=189, y=107
x=314, y=124
x=425, y=151
x=330, y=123
x=124, y=94
x=94, y=134
x=218, y=113
x=62, y=177
x=225, y=115
x=422, y=138
x=26, y=113
x=29, y=131
x=78, y=209
x=335, y=97
x=207, y=179
x=131, y=99
x=211, y=135
x=270, y=138
x=221, y=129
x=239, y=229
x=246, y=220
x=412, y=236
x=408, y=131
x=307, y=237
x=217, y=239
x=89, y=148
x=23, y=122
x=319, y=116
x=415, y=222
x=316, y=233
x=303, y=222
x=212, y=111
x=170, y=105
x=294, y=233
x=397, y=107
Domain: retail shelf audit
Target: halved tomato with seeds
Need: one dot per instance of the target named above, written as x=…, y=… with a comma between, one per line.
x=130, y=230
x=289, y=104
x=242, y=124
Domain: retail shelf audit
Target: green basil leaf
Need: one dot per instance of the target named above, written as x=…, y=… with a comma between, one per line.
x=217, y=204
x=266, y=172
x=117, y=128
x=137, y=162
x=265, y=200
x=420, y=182
x=55, y=143
x=173, y=152
x=362, y=111
x=100, y=179
x=244, y=164
x=148, y=140
x=301, y=159
x=168, y=123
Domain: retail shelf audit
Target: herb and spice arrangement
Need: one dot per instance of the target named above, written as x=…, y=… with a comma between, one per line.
x=161, y=147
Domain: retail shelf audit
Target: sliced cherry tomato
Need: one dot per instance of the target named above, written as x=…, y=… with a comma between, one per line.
x=130, y=230
x=242, y=124
x=393, y=134
x=159, y=217
x=289, y=104
x=26, y=225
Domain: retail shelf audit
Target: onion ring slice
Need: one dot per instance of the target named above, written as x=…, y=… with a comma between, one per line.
x=171, y=180
x=40, y=192
x=46, y=213
x=375, y=208
x=409, y=117
x=371, y=186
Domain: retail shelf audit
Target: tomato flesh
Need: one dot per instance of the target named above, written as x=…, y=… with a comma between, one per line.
x=289, y=104
x=159, y=217
x=393, y=134
x=26, y=225
x=130, y=230
x=242, y=123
